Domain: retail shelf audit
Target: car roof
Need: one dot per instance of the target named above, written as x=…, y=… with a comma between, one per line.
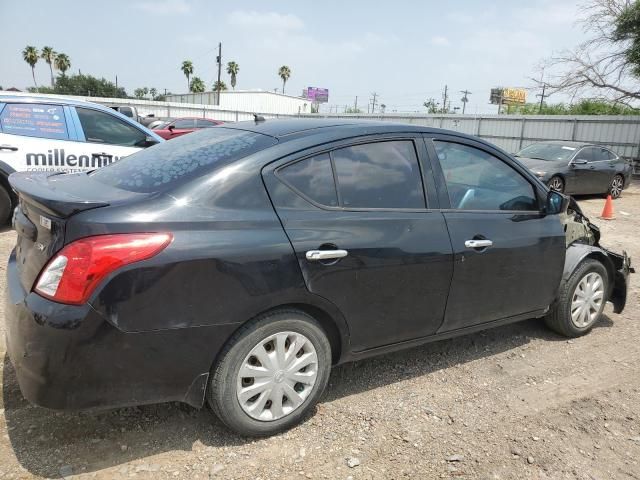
x=281, y=128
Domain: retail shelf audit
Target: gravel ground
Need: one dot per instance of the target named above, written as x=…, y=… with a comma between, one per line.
x=512, y=402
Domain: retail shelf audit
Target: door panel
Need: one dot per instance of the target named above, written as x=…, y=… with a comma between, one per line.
x=518, y=266
x=393, y=283
x=519, y=273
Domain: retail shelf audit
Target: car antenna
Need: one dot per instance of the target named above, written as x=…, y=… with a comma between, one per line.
x=258, y=118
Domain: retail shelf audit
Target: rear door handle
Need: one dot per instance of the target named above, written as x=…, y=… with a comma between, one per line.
x=11, y=148
x=314, y=255
x=478, y=243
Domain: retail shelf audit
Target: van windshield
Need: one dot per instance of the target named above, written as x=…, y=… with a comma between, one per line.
x=165, y=165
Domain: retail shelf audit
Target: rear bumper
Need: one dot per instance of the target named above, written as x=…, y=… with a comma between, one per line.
x=70, y=357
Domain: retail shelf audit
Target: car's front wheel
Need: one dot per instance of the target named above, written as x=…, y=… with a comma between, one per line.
x=616, y=186
x=271, y=373
x=556, y=183
x=581, y=300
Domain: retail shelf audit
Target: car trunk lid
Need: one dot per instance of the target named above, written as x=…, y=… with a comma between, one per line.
x=45, y=203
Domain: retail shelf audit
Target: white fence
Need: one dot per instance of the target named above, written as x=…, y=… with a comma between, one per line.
x=511, y=132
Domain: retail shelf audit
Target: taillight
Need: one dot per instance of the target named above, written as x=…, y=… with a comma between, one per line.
x=76, y=270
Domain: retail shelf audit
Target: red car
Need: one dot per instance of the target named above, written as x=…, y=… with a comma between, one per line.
x=181, y=126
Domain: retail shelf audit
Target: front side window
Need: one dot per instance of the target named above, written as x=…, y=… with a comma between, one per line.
x=34, y=120
x=313, y=178
x=186, y=157
x=379, y=175
x=100, y=127
x=477, y=180
x=184, y=124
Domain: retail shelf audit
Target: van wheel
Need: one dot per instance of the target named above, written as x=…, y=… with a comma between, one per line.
x=271, y=373
x=5, y=206
x=581, y=300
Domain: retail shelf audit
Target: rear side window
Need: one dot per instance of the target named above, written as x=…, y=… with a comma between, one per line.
x=312, y=177
x=100, y=127
x=186, y=157
x=379, y=175
x=34, y=120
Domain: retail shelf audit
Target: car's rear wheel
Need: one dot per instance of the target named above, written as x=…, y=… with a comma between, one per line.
x=581, y=300
x=271, y=373
x=556, y=183
x=616, y=186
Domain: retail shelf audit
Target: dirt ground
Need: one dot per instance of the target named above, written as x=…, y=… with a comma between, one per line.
x=512, y=402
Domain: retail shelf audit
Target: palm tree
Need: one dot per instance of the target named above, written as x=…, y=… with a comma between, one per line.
x=153, y=92
x=187, y=69
x=145, y=90
x=138, y=92
x=49, y=55
x=30, y=55
x=233, y=69
x=62, y=62
x=219, y=86
x=197, y=85
x=284, y=73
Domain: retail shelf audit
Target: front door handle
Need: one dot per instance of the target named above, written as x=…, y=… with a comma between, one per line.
x=478, y=243
x=314, y=255
x=11, y=148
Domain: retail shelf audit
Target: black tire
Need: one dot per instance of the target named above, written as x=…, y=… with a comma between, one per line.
x=559, y=317
x=6, y=206
x=556, y=183
x=223, y=384
x=616, y=186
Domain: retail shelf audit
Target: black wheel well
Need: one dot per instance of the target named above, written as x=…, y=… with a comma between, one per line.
x=4, y=183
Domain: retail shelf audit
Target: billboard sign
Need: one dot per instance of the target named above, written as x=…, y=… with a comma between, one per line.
x=317, y=95
x=508, y=96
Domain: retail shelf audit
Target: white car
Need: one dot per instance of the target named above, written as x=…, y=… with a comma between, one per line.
x=41, y=133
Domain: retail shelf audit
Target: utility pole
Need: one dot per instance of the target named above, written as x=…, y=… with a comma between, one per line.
x=219, y=60
x=465, y=99
x=373, y=102
x=541, y=95
x=444, y=100
x=355, y=105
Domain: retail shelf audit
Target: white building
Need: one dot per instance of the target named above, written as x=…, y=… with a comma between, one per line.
x=248, y=101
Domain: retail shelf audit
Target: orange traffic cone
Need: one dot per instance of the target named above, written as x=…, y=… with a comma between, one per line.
x=607, y=211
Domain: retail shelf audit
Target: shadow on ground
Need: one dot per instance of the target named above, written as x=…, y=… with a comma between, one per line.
x=46, y=442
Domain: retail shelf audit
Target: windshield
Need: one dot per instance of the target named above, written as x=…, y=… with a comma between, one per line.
x=184, y=158
x=551, y=152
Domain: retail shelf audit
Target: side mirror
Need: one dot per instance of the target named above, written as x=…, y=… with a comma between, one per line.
x=579, y=161
x=556, y=203
x=149, y=141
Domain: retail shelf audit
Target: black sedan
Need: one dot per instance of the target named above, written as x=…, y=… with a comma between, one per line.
x=234, y=266
x=577, y=168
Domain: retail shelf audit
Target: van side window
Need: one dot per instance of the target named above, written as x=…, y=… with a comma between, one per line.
x=100, y=127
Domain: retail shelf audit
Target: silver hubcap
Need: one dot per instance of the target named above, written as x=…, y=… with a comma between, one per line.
x=555, y=184
x=587, y=300
x=616, y=187
x=277, y=376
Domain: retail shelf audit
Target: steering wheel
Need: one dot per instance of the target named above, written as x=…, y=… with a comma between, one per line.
x=468, y=197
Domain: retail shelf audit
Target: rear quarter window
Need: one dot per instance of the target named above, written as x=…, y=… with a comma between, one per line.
x=169, y=163
x=34, y=120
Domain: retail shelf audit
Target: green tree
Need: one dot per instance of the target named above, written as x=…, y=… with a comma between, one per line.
x=138, y=93
x=431, y=106
x=62, y=63
x=87, y=85
x=153, y=92
x=233, y=69
x=49, y=56
x=197, y=85
x=221, y=86
x=583, y=107
x=30, y=55
x=145, y=91
x=607, y=64
x=187, y=69
x=284, y=73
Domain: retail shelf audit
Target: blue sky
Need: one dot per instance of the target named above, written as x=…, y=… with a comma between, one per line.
x=406, y=51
